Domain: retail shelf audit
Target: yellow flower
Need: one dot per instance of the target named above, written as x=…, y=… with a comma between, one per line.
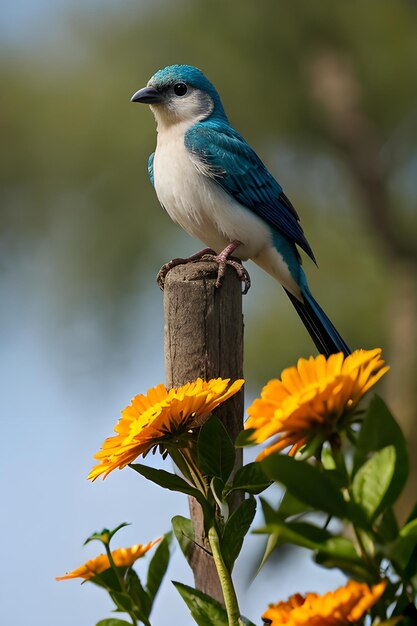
x=158, y=417
x=342, y=607
x=122, y=557
x=312, y=398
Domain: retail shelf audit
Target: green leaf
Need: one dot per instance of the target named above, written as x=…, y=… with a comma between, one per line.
x=301, y=534
x=245, y=438
x=330, y=551
x=410, y=569
x=204, y=610
x=372, y=481
x=312, y=447
x=158, y=567
x=105, y=535
x=108, y=579
x=142, y=603
x=290, y=505
x=174, y=483
x=216, y=452
x=235, y=531
x=387, y=526
x=334, y=462
x=123, y=601
x=137, y=592
x=340, y=552
x=218, y=491
x=307, y=483
x=401, y=550
x=327, y=459
x=269, y=513
x=271, y=544
x=112, y=621
x=250, y=478
x=339, y=480
x=184, y=532
x=379, y=430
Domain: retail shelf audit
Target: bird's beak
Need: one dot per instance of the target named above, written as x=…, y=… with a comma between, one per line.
x=147, y=95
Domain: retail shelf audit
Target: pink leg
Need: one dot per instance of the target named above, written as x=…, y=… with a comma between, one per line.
x=229, y=249
x=224, y=258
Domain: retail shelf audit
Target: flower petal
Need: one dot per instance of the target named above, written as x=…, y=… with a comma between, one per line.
x=312, y=396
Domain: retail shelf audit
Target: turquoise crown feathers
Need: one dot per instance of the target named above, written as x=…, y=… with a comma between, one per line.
x=192, y=76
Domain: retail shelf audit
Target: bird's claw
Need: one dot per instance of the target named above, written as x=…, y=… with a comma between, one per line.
x=208, y=255
x=160, y=278
x=222, y=262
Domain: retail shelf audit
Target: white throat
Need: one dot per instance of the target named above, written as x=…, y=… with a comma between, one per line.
x=182, y=113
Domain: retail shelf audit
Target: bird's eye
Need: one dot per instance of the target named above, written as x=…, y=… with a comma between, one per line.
x=180, y=89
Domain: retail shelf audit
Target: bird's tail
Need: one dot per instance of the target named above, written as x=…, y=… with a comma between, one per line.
x=321, y=330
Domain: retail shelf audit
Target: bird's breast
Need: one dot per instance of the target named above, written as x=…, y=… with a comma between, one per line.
x=199, y=205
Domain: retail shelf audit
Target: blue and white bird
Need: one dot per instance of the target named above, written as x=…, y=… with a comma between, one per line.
x=213, y=184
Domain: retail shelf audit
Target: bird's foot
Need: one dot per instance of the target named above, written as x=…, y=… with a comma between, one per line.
x=207, y=254
x=234, y=262
x=225, y=258
x=160, y=279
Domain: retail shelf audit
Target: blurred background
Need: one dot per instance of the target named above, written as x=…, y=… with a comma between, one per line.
x=327, y=94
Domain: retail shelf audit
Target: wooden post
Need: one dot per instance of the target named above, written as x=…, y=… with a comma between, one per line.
x=204, y=338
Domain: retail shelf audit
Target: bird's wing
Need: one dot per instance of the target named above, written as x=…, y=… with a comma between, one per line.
x=236, y=167
x=150, y=167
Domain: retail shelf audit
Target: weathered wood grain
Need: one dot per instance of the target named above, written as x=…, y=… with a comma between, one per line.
x=204, y=337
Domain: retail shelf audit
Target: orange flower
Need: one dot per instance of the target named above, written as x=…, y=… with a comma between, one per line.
x=313, y=397
x=345, y=606
x=158, y=417
x=122, y=557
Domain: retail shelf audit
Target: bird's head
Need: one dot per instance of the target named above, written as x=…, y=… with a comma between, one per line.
x=180, y=94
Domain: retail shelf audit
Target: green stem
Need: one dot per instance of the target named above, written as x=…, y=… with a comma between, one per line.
x=123, y=610
x=195, y=474
x=135, y=622
x=364, y=552
x=120, y=580
x=114, y=568
x=229, y=594
x=340, y=464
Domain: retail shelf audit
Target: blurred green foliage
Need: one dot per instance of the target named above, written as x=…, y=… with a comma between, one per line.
x=74, y=178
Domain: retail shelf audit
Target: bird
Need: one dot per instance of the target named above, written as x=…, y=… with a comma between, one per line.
x=212, y=183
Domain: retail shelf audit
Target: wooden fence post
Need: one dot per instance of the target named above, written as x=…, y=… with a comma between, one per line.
x=203, y=333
